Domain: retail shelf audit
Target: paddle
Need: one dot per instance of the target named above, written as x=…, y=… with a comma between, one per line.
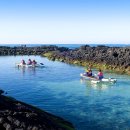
x=41, y=64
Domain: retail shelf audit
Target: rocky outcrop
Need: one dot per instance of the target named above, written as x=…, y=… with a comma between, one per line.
x=114, y=59
x=23, y=50
x=104, y=57
x=16, y=115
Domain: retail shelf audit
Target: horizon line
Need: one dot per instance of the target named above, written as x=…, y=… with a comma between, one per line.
x=60, y=43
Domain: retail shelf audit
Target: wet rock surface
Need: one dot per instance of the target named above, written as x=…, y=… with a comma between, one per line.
x=15, y=115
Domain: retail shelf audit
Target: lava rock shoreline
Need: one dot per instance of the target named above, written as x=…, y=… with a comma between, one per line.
x=23, y=50
x=114, y=59
x=16, y=115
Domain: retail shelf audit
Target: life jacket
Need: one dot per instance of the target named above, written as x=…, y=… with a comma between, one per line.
x=34, y=62
x=89, y=73
x=29, y=62
x=100, y=74
x=23, y=62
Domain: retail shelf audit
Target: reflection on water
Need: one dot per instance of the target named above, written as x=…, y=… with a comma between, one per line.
x=24, y=70
x=98, y=86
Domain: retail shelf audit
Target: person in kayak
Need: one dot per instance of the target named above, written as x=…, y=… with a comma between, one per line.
x=100, y=74
x=23, y=62
x=89, y=72
x=34, y=62
x=29, y=62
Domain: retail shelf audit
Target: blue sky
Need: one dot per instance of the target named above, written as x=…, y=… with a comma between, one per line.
x=64, y=21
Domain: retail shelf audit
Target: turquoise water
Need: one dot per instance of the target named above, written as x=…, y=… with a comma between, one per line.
x=58, y=89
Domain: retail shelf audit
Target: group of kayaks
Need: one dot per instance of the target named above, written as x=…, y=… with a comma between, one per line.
x=29, y=66
x=94, y=79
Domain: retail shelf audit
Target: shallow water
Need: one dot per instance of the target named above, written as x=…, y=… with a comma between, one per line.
x=58, y=89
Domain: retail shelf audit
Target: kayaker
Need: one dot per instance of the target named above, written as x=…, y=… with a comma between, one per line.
x=29, y=62
x=100, y=74
x=89, y=72
x=34, y=62
x=23, y=62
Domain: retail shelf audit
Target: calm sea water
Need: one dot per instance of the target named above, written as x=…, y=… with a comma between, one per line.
x=58, y=89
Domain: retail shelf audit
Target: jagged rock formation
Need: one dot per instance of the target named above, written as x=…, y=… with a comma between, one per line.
x=16, y=115
x=104, y=57
x=23, y=50
x=107, y=58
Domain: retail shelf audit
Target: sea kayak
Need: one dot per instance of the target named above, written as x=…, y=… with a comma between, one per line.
x=95, y=80
x=29, y=66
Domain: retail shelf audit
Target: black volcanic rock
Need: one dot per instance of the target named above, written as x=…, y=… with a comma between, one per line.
x=113, y=58
x=23, y=50
x=1, y=92
x=15, y=115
